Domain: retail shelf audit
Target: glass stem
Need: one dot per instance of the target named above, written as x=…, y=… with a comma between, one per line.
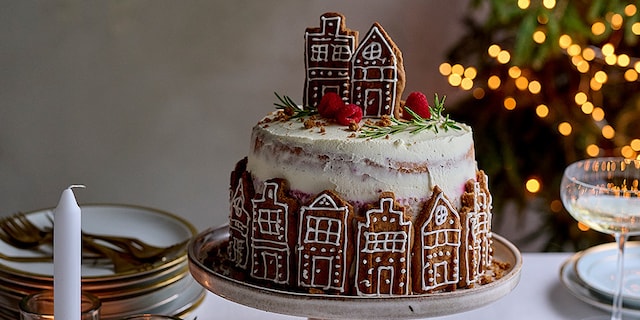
x=621, y=240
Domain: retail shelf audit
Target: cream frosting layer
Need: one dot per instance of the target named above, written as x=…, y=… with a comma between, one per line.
x=407, y=164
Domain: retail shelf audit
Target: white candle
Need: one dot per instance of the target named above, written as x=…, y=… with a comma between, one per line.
x=67, y=257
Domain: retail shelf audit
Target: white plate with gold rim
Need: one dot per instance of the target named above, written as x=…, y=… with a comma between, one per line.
x=152, y=226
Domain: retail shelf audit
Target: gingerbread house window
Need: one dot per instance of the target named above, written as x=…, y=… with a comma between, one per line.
x=342, y=52
x=323, y=230
x=268, y=221
x=319, y=52
x=386, y=242
x=372, y=51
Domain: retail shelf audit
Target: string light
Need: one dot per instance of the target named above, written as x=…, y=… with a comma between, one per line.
x=494, y=82
x=533, y=185
x=630, y=75
x=565, y=128
x=454, y=79
x=509, y=103
x=549, y=4
x=535, y=87
x=608, y=49
x=595, y=85
x=494, y=50
x=587, y=107
x=608, y=132
x=574, y=50
x=588, y=54
x=593, y=150
x=504, y=57
x=466, y=84
x=514, y=72
x=597, y=114
x=630, y=10
x=616, y=21
x=445, y=69
x=564, y=41
x=580, y=98
x=542, y=111
x=524, y=4
x=601, y=77
x=539, y=36
x=598, y=28
x=624, y=60
x=522, y=83
x=627, y=152
x=470, y=72
x=457, y=69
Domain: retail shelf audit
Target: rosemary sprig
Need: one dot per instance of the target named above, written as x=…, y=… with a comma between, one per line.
x=292, y=109
x=418, y=124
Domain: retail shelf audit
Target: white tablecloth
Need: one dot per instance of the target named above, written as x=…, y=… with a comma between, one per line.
x=539, y=295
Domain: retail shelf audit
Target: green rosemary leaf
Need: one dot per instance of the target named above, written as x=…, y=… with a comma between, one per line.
x=287, y=104
x=416, y=125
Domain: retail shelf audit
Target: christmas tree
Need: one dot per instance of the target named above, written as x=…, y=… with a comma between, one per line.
x=549, y=82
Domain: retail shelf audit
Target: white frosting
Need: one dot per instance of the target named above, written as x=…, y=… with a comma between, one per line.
x=358, y=169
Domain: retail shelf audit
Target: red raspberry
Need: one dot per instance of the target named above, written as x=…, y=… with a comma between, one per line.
x=417, y=102
x=348, y=114
x=330, y=103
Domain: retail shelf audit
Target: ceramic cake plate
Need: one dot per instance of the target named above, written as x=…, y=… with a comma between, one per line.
x=217, y=279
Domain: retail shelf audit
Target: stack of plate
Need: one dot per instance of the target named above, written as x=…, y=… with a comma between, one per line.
x=590, y=276
x=165, y=288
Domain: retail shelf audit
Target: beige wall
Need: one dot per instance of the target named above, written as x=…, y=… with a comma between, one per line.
x=151, y=102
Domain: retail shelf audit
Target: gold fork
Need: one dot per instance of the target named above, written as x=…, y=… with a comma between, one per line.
x=20, y=232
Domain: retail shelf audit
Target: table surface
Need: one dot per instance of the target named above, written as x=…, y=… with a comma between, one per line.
x=539, y=295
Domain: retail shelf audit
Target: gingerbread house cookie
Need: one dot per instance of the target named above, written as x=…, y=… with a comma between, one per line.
x=377, y=75
x=476, y=218
x=240, y=217
x=383, y=249
x=273, y=233
x=325, y=246
x=328, y=52
x=436, y=248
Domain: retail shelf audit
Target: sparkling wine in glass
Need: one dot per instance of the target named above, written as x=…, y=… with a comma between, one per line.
x=603, y=194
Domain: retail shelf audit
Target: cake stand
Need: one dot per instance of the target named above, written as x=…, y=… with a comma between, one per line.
x=213, y=275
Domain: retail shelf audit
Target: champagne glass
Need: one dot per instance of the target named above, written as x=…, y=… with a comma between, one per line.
x=603, y=194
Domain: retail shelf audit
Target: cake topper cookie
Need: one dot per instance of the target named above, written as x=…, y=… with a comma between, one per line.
x=328, y=52
x=377, y=75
